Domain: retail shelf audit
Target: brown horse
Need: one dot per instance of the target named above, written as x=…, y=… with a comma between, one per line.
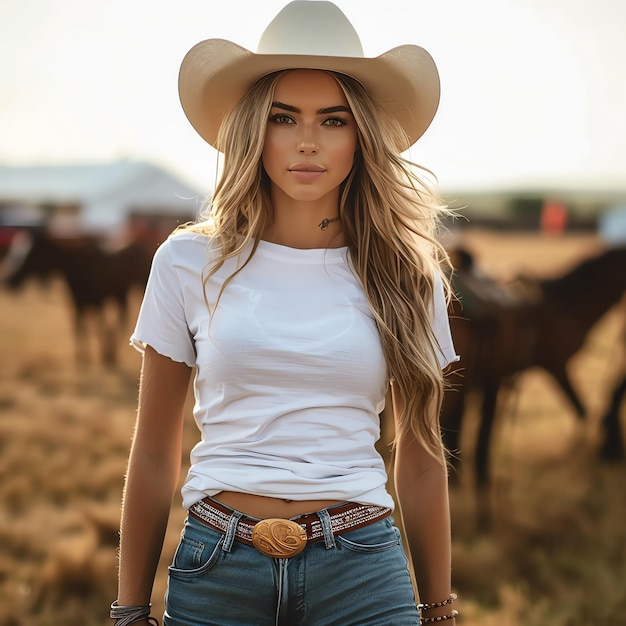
x=612, y=445
x=494, y=328
x=612, y=441
x=501, y=330
x=94, y=276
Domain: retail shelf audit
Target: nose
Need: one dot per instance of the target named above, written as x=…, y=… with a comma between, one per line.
x=307, y=142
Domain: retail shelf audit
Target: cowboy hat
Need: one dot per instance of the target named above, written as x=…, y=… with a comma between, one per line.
x=315, y=34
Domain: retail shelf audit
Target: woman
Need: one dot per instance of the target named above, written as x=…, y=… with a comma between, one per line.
x=312, y=281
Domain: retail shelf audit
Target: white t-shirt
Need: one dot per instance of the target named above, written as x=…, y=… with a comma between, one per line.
x=290, y=375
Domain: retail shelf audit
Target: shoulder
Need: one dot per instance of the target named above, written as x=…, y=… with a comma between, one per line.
x=188, y=241
x=186, y=249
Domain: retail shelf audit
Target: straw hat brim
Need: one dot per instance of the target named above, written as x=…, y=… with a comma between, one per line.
x=216, y=73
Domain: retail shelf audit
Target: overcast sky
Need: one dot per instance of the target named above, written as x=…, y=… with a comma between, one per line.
x=533, y=91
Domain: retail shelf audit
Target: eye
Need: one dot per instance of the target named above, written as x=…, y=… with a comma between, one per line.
x=335, y=121
x=281, y=118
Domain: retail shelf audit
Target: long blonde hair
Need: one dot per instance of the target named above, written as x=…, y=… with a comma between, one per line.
x=390, y=218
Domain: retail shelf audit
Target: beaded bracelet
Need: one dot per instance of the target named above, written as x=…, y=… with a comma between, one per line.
x=440, y=618
x=426, y=606
x=126, y=615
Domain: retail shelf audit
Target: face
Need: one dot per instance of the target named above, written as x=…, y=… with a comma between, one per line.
x=311, y=137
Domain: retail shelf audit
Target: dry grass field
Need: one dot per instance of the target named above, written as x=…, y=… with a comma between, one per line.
x=555, y=554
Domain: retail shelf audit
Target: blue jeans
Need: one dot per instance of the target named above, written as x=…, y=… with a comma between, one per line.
x=358, y=578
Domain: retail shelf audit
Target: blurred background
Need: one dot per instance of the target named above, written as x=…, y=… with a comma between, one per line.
x=98, y=164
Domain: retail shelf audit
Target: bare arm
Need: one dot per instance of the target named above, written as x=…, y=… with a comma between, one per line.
x=152, y=477
x=421, y=483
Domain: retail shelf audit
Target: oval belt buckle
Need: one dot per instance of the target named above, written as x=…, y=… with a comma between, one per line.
x=278, y=538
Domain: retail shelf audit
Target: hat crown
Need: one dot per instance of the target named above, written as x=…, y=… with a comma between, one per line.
x=311, y=27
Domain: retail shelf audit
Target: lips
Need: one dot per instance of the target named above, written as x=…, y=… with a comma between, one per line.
x=306, y=167
x=306, y=172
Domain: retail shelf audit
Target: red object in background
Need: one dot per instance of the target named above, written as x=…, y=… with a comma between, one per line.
x=553, y=217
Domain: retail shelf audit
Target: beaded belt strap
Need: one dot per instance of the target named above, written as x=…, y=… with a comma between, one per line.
x=282, y=538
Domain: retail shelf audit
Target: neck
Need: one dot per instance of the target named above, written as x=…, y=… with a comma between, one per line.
x=300, y=224
x=306, y=238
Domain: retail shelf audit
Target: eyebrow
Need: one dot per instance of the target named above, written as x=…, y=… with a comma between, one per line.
x=292, y=109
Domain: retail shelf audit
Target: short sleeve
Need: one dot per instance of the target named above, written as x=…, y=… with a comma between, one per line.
x=162, y=322
x=441, y=326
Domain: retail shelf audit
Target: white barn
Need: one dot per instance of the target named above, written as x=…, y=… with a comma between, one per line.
x=102, y=200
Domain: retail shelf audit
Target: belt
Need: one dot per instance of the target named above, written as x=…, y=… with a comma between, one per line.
x=283, y=538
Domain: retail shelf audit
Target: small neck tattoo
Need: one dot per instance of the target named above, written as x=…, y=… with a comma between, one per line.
x=323, y=225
